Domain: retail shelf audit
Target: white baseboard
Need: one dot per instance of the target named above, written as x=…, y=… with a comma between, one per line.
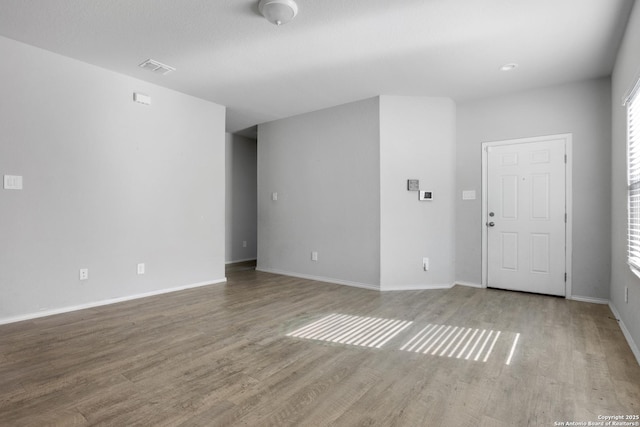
x=417, y=287
x=588, y=299
x=469, y=284
x=239, y=260
x=69, y=309
x=625, y=332
x=319, y=278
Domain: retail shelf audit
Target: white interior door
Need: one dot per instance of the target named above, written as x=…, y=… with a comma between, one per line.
x=525, y=216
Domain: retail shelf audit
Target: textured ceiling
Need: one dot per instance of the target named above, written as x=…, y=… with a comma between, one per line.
x=335, y=51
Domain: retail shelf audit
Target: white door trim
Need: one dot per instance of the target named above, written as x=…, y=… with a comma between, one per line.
x=568, y=141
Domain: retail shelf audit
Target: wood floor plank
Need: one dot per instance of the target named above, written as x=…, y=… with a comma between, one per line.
x=488, y=421
x=220, y=355
x=66, y=418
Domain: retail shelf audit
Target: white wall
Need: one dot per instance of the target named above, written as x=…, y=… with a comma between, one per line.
x=580, y=108
x=324, y=166
x=417, y=141
x=241, y=193
x=626, y=73
x=108, y=183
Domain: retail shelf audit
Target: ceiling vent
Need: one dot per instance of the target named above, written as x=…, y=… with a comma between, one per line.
x=156, y=67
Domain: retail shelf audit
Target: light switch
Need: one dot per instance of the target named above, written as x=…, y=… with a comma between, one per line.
x=274, y=196
x=468, y=194
x=13, y=182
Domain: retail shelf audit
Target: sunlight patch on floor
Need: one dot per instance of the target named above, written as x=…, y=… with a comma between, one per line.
x=353, y=330
x=513, y=348
x=454, y=341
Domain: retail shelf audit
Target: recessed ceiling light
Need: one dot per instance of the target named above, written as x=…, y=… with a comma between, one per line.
x=509, y=67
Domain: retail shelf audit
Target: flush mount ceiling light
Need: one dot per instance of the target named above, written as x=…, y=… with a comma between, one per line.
x=509, y=67
x=278, y=11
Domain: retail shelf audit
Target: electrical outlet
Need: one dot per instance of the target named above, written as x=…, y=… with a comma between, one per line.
x=141, y=268
x=244, y=243
x=626, y=294
x=84, y=274
x=425, y=264
x=314, y=256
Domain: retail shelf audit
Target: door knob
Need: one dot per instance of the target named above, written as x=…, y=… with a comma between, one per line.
x=491, y=224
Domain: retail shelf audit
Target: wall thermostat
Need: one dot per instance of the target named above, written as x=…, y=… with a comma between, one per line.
x=413, y=184
x=425, y=195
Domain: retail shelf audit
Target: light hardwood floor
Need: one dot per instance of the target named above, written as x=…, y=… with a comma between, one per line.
x=220, y=356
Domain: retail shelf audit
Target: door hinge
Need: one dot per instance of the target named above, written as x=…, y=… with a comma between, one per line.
x=565, y=158
x=565, y=218
x=565, y=277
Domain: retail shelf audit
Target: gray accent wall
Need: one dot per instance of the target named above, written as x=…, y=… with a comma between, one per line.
x=625, y=74
x=582, y=109
x=108, y=183
x=241, y=198
x=324, y=166
x=340, y=176
x=417, y=141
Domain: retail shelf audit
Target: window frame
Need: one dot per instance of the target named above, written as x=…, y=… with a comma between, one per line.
x=632, y=104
